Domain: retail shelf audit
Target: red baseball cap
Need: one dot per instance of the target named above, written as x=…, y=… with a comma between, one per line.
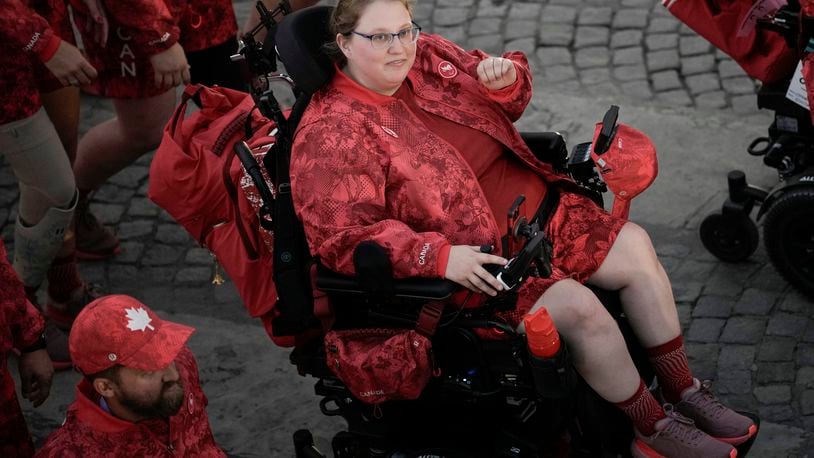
x=118, y=329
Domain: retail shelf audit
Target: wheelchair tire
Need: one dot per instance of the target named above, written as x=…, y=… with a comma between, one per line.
x=788, y=235
x=730, y=238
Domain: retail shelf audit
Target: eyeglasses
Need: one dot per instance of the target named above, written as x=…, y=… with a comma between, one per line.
x=385, y=39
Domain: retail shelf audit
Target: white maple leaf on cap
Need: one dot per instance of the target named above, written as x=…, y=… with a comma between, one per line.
x=139, y=320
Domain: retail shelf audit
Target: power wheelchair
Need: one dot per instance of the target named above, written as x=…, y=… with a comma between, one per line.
x=486, y=402
x=787, y=209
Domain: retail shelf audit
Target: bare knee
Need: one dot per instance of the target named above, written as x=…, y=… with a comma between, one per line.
x=631, y=259
x=576, y=310
x=141, y=121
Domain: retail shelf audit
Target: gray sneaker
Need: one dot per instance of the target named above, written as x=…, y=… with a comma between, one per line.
x=677, y=437
x=712, y=417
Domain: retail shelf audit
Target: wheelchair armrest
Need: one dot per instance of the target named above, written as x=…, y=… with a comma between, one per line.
x=419, y=288
x=548, y=147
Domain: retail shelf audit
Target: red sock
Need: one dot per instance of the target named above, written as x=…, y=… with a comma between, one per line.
x=63, y=278
x=643, y=409
x=669, y=360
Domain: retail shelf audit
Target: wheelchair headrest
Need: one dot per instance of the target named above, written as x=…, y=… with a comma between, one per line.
x=300, y=37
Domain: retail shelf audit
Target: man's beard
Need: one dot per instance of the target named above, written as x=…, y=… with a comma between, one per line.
x=167, y=405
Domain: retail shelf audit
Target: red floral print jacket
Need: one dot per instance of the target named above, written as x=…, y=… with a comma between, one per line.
x=203, y=23
x=364, y=168
x=89, y=431
x=25, y=37
x=20, y=326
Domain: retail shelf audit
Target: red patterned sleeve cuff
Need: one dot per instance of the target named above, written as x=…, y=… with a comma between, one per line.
x=443, y=259
x=509, y=93
x=50, y=44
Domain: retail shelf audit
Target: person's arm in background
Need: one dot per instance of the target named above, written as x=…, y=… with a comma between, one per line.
x=30, y=33
x=254, y=16
x=23, y=328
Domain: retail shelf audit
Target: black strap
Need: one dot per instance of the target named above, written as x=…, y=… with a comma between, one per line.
x=547, y=208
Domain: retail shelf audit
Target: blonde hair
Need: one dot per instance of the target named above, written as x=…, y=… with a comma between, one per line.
x=343, y=20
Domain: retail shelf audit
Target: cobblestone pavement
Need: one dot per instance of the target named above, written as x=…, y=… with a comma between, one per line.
x=746, y=328
x=631, y=48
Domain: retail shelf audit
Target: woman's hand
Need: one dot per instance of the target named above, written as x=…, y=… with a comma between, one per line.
x=170, y=67
x=69, y=66
x=496, y=73
x=465, y=267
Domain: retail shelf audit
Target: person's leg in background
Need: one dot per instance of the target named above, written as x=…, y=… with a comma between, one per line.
x=67, y=293
x=140, y=79
x=108, y=148
x=47, y=200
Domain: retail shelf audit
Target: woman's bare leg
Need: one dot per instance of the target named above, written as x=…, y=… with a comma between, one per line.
x=594, y=340
x=62, y=107
x=114, y=144
x=633, y=268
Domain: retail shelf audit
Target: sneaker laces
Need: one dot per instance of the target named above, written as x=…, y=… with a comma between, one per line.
x=681, y=427
x=706, y=401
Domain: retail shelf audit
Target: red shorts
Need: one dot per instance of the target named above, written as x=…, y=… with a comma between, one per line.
x=124, y=70
x=582, y=235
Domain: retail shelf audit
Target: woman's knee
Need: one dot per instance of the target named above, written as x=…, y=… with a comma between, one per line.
x=636, y=242
x=142, y=121
x=576, y=309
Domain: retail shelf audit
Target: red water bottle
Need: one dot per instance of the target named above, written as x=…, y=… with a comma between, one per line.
x=541, y=334
x=551, y=368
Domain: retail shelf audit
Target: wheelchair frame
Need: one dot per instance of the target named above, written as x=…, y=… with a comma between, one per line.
x=787, y=209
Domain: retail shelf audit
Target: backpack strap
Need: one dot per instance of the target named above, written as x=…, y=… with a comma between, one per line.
x=191, y=92
x=231, y=190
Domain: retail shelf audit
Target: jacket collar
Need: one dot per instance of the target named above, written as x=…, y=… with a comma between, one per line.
x=89, y=412
x=348, y=86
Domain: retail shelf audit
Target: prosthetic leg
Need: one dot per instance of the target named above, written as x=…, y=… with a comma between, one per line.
x=35, y=246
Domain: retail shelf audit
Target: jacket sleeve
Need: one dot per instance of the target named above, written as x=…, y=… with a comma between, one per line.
x=514, y=98
x=150, y=22
x=24, y=323
x=340, y=189
x=27, y=31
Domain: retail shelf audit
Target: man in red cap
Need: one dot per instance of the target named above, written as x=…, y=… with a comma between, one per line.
x=140, y=395
x=21, y=328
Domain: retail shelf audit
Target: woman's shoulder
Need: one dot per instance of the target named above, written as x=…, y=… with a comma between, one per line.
x=332, y=107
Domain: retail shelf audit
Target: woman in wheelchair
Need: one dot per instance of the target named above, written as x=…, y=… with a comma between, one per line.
x=412, y=146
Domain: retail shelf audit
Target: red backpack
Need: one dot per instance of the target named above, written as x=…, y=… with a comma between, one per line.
x=194, y=176
x=731, y=26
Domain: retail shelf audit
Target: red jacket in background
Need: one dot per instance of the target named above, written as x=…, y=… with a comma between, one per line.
x=148, y=23
x=20, y=326
x=25, y=39
x=203, y=23
x=89, y=431
x=364, y=168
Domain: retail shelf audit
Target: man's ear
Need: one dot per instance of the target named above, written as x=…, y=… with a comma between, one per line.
x=104, y=386
x=343, y=43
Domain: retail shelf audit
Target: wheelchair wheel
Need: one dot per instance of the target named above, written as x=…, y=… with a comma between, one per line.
x=731, y=238
x=788, y=234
